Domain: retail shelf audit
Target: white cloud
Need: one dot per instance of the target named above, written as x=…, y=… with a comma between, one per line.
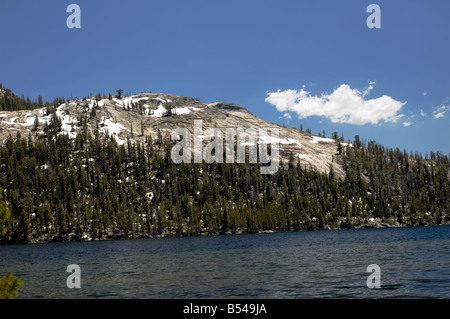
x=343, y=105
x=407, y=124
x=370, y=88
x=440, y=111
x=425, y=93
x=422, y=113
x=287, y=116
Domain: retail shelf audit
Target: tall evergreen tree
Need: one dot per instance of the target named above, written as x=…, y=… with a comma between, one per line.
x=5, y=214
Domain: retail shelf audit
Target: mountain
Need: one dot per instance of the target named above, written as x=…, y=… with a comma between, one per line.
x=101, y=168
x=137, y=116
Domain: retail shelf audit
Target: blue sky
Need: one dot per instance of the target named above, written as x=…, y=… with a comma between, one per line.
x=240, y=52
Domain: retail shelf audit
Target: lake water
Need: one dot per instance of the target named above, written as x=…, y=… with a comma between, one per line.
x=414, y=263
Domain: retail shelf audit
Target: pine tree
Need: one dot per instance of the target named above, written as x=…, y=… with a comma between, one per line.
x=25, y=211
x=169, y=108
x=36, y=123
x=5, y=215
x=339, y=147
x=9, y=286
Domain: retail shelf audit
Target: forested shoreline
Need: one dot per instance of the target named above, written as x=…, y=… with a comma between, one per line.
x=85, y=188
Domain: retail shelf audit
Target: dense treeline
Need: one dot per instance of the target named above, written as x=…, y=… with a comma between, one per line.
x=391, y=183
x=89, y=187
x=11, y=102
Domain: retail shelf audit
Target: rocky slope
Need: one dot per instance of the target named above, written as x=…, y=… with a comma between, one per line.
x=135, y=117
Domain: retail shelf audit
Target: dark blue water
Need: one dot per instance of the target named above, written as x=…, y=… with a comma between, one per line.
x=414, y=263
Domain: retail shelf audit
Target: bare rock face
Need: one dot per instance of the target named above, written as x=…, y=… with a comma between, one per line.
x=149, y=114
